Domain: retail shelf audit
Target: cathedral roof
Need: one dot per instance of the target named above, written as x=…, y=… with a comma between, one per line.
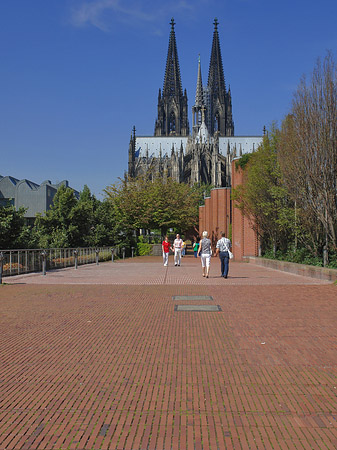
x=154, y=145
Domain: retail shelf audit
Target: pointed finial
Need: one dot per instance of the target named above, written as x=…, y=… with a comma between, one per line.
x=264, y=130
x=216, y=23
x=172, y=23
x=199, y=58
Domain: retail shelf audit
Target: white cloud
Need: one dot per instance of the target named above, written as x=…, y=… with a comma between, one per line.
x=93, y=13
x=102, y=13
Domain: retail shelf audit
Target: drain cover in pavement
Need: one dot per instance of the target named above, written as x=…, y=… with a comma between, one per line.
x=204, y=308
x=104, y=429
x=192, y=297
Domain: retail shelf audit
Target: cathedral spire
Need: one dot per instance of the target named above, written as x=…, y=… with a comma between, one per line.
x=198, y=107
x=199, y=99
x=218, y=101
x=216, y=78
x=172, y=102
x=172, y=81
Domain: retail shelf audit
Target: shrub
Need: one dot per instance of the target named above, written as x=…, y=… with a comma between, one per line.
x=143, y=248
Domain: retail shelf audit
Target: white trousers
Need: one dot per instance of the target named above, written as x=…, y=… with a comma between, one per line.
x=177, y=256
x=205, y=260
x=165, y=258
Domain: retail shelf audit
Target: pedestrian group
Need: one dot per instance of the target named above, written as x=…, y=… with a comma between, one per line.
x=202, y=249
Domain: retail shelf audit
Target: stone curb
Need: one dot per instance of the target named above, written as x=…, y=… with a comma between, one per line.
x=298, y=269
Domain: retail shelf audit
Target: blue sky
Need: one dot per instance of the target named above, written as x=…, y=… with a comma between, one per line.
x=76, y=75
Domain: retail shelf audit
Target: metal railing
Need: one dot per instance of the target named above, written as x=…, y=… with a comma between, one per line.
x=16, y=262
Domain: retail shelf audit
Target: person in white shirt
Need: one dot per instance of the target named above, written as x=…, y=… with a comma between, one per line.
x=222, y=249
x=177, y=247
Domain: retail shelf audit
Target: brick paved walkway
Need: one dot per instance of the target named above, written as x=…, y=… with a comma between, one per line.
x=149, y=270
x=110, y=365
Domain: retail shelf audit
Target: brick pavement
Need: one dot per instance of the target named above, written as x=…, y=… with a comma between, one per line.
x=111, y=365
x=149, y=270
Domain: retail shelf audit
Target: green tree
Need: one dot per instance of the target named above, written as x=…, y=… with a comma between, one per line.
x=73, y=222
x=13, y=232
x=153, y=204
x=130, y=203
x=84, y=217
x=263, y=196
x=308, y=154
x=172, y=205
x=105, y=225
x=57, y=228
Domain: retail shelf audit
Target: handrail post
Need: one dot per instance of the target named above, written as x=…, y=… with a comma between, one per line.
x=2, y=257
x=112, y=254
x=97, y=253
x=123, y=250
x=75, y=255
x=43, y=254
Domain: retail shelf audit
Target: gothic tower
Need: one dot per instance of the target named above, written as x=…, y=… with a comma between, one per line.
x=197, y=109
x=172, y=104
x=218, y=100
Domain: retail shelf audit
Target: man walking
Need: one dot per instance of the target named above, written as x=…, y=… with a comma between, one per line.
x=222, y=248
x=177, y=247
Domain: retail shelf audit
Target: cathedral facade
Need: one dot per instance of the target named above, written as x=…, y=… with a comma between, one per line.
x=203, y=154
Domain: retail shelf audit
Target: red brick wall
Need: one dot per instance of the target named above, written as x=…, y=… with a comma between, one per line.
x=244, y=238
x=218, y=212
x=214, y=216
x=202, y=214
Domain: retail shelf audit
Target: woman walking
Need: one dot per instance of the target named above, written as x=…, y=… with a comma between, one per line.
x=166, y=247
x=205, y=250
x=195, y=248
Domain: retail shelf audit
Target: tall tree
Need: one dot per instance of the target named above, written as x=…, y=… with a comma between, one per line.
x=72, y=222
x=57, y=228
x=308, y=151
x=154, y=204
x=13, y=233
x=84, y=217
x=263, y=197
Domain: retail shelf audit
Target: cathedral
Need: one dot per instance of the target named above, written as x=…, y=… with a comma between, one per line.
x=203, y=154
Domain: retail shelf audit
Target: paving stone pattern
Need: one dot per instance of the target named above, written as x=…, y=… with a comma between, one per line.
x=150, y=271
x=113, y=366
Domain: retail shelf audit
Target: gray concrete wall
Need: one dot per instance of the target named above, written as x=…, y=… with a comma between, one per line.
x=32, y=196
x=156, y=250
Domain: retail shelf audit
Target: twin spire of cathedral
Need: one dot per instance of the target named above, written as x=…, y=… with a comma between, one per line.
x=172, y=81
x=213, y=104
x=216, y=78
x=172, y=103
x=199, y=95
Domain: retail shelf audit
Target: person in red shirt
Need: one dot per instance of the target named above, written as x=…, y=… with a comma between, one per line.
x=166, y=247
